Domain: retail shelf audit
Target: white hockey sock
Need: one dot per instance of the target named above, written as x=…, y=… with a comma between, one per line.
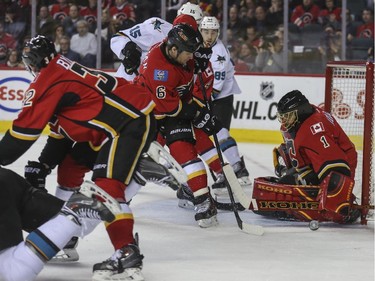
x=131, y=190
x=63, y=193
x=228, y=146
x=19, y=263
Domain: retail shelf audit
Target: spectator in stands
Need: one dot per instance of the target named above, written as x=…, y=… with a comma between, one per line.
x=217, y=9
x=45, y=25
x=330, y=14
x=89, y=13
x=7, y=42
x=270, y=55
x=247, y=54
x=14, y=60
x=252, y=36
x=85, y=44
x=107, y=31
x=59, y=32
x=260, y=22
x=66, y=51
x=305, y=13
x=366, y=30
x=70, y=22
x=14, y=24
x=235, y=24
x=124, y=11
x=275, y=14
x=172, y=7
x=59, y=10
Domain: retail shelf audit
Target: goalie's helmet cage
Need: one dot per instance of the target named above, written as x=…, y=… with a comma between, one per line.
x=184, y=38
x=210, y=23
x=192, y=10
x=38, y=52
x=292, y=108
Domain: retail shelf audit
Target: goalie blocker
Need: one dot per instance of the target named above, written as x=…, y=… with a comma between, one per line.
x=332, y=200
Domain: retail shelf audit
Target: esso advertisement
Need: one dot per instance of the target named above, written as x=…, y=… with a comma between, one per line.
x=256, y=107
x=13, y=85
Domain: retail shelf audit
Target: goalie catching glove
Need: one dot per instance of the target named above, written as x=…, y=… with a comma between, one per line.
x=132, y=57
x=36, y=173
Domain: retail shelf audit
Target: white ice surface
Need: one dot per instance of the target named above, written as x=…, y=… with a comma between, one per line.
x=176, y=249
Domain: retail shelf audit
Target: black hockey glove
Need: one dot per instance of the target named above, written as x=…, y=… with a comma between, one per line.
x=202, y=58
x=206, y=122
x=132, y=57
x=36, y=173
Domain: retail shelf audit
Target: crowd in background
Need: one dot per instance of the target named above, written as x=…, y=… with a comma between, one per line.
x=254, y=35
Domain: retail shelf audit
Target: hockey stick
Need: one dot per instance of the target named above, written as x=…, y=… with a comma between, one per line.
x=229, y=176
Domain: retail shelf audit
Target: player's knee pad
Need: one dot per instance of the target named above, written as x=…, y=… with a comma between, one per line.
x=336, y=196
x=178, y=129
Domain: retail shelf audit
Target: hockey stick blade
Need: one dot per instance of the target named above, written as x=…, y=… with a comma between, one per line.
x=236, y=188
x=89, y=189
x=156, y=151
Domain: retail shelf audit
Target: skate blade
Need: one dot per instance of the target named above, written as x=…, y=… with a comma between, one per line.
x=65, y=256
x=206, y=223
x=129, y=274
x=185, y=204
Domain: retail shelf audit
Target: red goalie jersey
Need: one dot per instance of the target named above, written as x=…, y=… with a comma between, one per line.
x=322, y=144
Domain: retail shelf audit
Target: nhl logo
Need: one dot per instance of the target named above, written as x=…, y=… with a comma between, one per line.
x=266, y=90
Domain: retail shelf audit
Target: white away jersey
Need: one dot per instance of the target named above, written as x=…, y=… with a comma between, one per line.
x=224, y=84
x=144, y=34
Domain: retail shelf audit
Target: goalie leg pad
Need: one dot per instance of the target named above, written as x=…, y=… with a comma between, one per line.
x=336, y=196
x=287, y=202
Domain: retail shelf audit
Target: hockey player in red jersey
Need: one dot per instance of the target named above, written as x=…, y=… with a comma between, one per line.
x=87, y=105
x=168, y=73
x=316, y=173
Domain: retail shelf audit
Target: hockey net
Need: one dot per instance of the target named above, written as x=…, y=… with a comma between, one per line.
x=349, y=96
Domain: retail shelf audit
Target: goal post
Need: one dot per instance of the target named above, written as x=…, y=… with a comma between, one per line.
x=349, y=96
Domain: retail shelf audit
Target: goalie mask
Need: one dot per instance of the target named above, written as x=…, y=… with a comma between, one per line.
x=210, y=30
x=192, y=10
x=293, y=108
x=37, y=53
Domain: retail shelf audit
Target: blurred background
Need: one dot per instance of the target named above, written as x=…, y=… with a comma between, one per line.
x=300, y=35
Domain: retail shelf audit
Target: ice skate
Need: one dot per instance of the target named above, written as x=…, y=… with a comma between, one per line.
x=150, y=171
x=219, y=187
x=68, y=253
x=185, y=197
x=241, y=172
x=124, y=265
x=80, y=207
x=205, y=211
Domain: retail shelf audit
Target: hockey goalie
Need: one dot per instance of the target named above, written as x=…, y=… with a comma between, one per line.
x=315, y=167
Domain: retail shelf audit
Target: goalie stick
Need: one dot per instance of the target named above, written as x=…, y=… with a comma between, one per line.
x=229, y=176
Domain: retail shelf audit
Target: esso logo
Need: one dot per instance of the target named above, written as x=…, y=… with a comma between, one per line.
x=12, y=91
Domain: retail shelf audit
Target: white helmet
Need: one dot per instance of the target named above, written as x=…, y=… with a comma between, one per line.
x=210, y=23
x=192, y=10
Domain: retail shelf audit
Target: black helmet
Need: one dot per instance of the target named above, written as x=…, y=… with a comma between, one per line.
x=292, y=108
x=184, y=38
x=38, y=52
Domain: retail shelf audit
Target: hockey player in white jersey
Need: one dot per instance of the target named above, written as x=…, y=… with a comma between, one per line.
x=131, y=45
x=225, y=85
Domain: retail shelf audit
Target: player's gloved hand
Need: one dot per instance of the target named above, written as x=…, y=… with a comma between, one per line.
x=132, y=57
x=202, y=58
x=207, y=122
x=36, y=173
